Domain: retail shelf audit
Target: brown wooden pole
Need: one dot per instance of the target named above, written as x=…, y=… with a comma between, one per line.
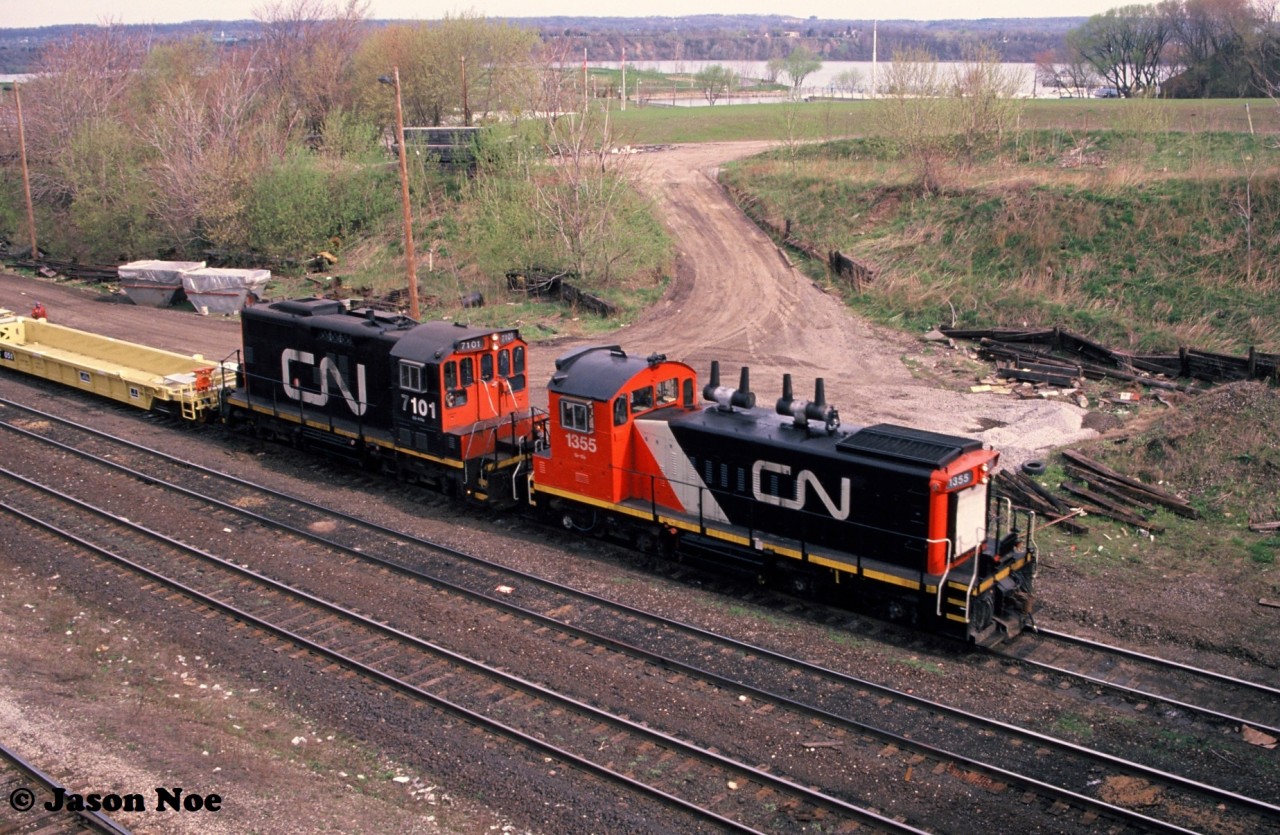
x=411, y=266
x=26, y=179
x=466, y=111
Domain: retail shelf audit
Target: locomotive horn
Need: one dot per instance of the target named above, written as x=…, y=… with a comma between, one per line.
x=727, y=398
x=805, y=411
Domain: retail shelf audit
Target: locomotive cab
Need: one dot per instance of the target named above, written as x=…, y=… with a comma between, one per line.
x=594, y=400
x=454, y=384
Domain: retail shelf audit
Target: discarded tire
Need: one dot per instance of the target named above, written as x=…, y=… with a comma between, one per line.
x=1034, y=467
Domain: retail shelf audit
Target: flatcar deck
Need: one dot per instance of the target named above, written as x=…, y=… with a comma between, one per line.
x=137, y=375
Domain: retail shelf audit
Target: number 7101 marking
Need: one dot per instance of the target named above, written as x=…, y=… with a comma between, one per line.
x=418, y=406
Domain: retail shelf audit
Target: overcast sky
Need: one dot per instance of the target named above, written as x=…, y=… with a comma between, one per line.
x=23, y=13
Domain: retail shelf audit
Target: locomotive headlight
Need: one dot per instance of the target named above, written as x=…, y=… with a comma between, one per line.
x=960, y=480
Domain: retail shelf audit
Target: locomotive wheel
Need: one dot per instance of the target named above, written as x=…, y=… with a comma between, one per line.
x=575, y=521
x=646, y=543
x=982, y=611
x=798, y=583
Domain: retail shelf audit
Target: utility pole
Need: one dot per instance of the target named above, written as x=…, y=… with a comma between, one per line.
x=410, y=266
x=874, y=44
x=624, y=79
x=26, y=179
x=466, y=111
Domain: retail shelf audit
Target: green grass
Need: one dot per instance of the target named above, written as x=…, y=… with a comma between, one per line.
x=832, y=119
x=1263, y=552
x=781, y=122
x=1218, y=451
x=1072, y=725
x=924, y=666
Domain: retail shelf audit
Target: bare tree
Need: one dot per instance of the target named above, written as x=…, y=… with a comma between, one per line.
x=1066, y=72
x=210, y=132
x=79, y=81
x=86, y=166
x=773, y=69
x=1126, y=47
x=1209, y=37
x=714, y=81
x=454, y=71
x=583, y=194
x=1243, y=206
x=848, y=82
x=986, y=101
x=913, y=113
x=1262, y=49
x=935, y=120
x=306, y=52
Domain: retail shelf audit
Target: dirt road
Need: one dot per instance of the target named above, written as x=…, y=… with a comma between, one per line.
x=734, y=299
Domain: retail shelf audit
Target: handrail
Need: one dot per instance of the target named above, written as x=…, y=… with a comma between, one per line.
x=943, y=581
x=973, y=581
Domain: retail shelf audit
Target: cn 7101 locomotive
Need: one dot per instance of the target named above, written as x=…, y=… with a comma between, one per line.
x=437, y=402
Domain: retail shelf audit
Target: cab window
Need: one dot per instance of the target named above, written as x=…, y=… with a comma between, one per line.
x=504, y=363
x=576, y=416
x=517, y=360
x=454, y=394
x=486, y=367
x=619, y=411
x=668, y=391
x=642, y=399
x=410, y=376
x=468, y=372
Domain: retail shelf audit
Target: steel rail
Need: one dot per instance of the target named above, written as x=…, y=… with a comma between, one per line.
x=94, y=820
x=1203, y=710
x=1155, y=659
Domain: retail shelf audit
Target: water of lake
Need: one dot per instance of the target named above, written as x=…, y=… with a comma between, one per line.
x=828, y=81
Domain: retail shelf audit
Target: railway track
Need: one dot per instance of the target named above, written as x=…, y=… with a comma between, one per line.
x=24, y=789
x=770, y=674
x=692, y=779
x=1219, y=697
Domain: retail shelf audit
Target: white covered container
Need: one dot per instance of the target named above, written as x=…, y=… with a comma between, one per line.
x=154, y=283
x=223, y=289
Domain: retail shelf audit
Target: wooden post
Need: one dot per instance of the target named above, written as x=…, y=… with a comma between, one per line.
x=410, y=264
x=26, y=179
x=466, y=111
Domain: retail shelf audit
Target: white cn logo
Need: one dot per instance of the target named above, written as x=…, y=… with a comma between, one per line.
x=804, y=481
x=329, y=371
